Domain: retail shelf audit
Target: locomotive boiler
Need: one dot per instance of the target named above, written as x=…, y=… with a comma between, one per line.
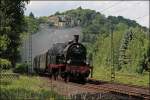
x=66, y=60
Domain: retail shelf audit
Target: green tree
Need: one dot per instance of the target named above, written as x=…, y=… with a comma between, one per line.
x=32, y=24
x=31, y=15
x=12, y=25
x=4, y=41
x=57, y=13
x=137, y=50
x=79, y=8
x=43, y=19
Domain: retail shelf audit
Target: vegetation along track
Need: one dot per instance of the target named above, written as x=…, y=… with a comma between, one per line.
x=95, y=86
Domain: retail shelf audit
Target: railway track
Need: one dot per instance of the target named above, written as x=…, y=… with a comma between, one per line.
x=127, y=89
x=124, y=90
x=97, y=86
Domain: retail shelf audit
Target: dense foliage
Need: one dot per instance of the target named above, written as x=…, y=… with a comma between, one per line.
x=5, y=64
x=32, y=24
x=12, y=25
x=21, y=68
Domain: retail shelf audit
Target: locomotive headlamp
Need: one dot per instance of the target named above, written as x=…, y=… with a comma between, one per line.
x=68, y=61
x=87, y=62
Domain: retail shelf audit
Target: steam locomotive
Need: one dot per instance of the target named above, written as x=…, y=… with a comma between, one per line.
x=65, y=60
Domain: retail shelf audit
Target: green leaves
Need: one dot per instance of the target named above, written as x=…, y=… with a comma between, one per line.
x=32, y=24
x=31, y=15
x=4, y=64
x=4, y=41
x=12, y=25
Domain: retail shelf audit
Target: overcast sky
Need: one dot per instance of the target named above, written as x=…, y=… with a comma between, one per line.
x=135, y=10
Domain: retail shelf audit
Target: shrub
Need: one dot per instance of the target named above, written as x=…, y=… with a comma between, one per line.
x=21, y=68
x=4, y=64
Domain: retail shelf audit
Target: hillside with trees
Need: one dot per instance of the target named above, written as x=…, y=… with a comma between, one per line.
x=130, y=40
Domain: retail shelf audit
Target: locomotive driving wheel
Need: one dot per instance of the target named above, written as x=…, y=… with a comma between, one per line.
x=67, y=78
x=50, y=73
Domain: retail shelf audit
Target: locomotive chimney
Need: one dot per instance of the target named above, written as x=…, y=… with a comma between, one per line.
x=76, y=38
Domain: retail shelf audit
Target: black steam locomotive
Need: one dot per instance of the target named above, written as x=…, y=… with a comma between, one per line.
x=66, y=60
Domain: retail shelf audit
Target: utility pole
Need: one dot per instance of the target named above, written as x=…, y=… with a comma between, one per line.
x=148, y=57
x=91, y=63
x=25, y=51
x=30, y=68
x=112, y=54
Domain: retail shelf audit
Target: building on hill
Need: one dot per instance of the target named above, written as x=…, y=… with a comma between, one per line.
x=63, y=21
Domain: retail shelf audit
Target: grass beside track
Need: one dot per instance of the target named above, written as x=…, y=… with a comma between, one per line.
x=27, y=87
x=122, y=77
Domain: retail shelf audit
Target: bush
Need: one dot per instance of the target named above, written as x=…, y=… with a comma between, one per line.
x=5, y=64
x=21, y=68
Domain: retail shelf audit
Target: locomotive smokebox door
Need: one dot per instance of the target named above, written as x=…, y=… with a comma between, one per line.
x=76, y=38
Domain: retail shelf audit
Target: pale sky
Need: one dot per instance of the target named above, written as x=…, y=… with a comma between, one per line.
x=134, y=10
